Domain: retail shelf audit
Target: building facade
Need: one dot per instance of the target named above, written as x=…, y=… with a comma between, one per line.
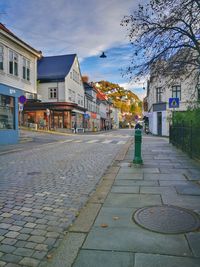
x=62, y=94
x=92, y=116
x=160, y=90
x=18, y=71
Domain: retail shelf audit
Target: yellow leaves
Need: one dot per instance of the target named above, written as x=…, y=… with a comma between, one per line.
x=104, y=225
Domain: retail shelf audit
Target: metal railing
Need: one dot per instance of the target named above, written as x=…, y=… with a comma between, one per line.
x=187, y=138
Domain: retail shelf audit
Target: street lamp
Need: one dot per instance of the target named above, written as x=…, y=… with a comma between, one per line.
x=103, y=55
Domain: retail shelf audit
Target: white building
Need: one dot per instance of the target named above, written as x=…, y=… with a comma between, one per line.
x=62, y=93
x=18, y=77
x=160, y=90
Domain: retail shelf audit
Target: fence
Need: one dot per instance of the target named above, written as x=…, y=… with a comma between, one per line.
x=186, y=138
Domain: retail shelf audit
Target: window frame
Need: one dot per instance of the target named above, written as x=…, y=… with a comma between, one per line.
x=159, y=93
x=26, y=66
x=176, y=91
x=1, y=57
x=13, y=63
x=53, y=93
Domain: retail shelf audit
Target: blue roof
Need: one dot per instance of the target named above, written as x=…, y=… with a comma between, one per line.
x=54, y=68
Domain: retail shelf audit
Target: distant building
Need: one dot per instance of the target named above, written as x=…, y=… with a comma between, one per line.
x=62, y=94
x=18, y=77
x=91, y=116
x=160, y=89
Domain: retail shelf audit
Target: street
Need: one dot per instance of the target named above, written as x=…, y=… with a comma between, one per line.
x=44, y=181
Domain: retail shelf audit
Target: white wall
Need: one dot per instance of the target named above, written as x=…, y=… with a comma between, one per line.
x=43, y=90
x=103, y=110
x=11, y=80
x=75, y=86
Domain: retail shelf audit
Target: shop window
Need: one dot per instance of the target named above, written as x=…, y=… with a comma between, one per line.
x=6, y=112
x=13, y=63
x=1, y=57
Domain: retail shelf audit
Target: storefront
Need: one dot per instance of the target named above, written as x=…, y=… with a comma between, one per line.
x=9, y=114
x=52, y=116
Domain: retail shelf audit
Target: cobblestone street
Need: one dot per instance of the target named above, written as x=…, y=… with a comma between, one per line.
x=42, y=188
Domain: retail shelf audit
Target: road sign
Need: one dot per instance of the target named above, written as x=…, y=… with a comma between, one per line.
x=21, y=107
x=22, y=99
x=174, y=102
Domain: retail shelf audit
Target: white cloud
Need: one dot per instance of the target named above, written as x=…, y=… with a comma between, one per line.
x=139, y=88
x=66, y=26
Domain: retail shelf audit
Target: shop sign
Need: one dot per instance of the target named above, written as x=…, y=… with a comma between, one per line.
x=86, y=116
x=21, y=107
x=93, y=115
x=12, y=91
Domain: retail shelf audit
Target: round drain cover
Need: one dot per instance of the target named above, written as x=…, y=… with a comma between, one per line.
x=167, y=219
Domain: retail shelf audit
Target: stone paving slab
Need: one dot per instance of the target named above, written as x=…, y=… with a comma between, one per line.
x=127, y=176
x=96, y=258
x=131, y=182
x=192, y=189
x=136, y=170
x=136, y=240
x=116, y=217
x=163, y=176
x=184, y=201
x=131, y=200
x=194, y=241
x=157, y=189
x=125, y=189
x=149, y=260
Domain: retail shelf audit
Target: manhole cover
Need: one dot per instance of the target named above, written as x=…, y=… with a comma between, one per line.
x=167, y=219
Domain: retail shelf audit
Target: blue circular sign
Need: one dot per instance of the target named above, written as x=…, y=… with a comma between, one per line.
x=22, y=99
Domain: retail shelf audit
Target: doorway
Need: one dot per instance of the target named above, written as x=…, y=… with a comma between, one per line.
x=159, y=123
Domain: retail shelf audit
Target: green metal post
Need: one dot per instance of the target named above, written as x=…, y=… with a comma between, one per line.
x=138, y=142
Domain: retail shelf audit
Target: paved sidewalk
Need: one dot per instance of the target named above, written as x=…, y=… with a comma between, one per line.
x=105, y=233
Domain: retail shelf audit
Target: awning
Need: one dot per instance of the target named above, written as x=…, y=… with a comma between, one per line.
x=77, y=111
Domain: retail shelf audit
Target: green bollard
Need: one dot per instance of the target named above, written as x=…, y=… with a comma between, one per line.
x=138, y=142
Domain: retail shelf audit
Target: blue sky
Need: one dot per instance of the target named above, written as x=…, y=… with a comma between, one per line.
x=84, y=27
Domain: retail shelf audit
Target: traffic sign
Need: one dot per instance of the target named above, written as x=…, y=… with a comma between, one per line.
x=174, y=102
x=47, y=112
x=22, y=99
x=21, y=107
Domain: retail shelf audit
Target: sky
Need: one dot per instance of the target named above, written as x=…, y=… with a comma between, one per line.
x=84, y=27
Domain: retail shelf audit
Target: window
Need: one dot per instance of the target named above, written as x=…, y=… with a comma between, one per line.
x=53, y=93
x=6, y=112
x=75, y=76
x=26, y=69
x=72, y=95
x=1, y=57
x=13, y=63
x=198, y=92
x=159, y=92
x=176, y=91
